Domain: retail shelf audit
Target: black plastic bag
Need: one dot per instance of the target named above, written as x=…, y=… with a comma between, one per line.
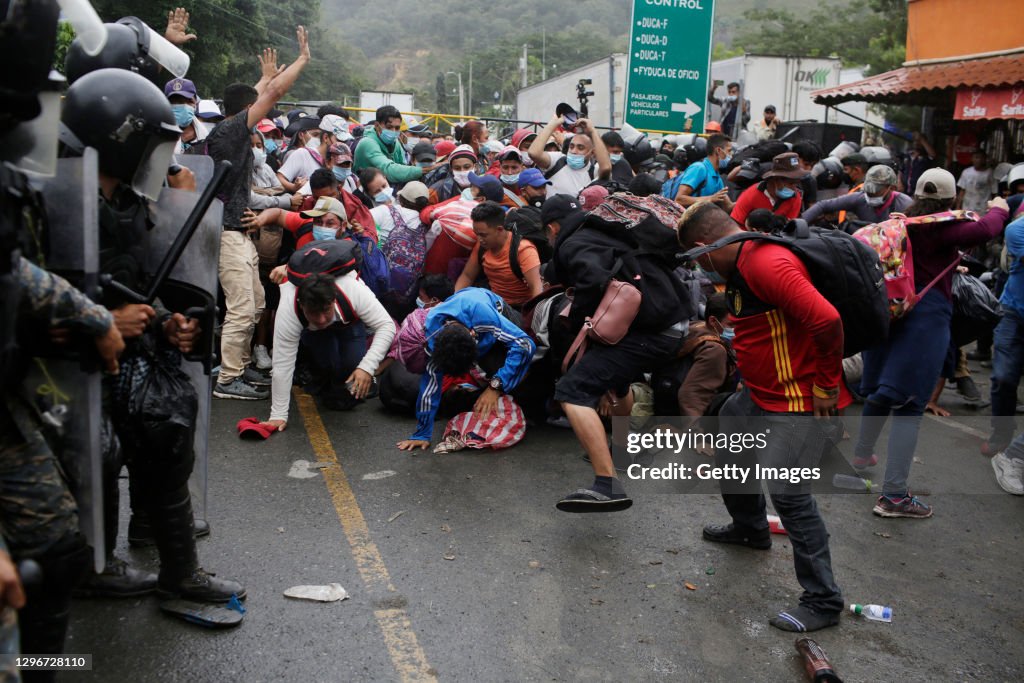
x=975, y=309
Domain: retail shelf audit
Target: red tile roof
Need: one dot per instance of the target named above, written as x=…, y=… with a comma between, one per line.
x=929, y=83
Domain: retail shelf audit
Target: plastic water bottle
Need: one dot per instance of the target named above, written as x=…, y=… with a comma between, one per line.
x=816, y=663
x=851, y=483
x=873, y=612
x=775, y=525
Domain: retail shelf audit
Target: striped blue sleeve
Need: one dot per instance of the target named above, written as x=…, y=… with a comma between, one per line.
x=428, y=402
x=520, y=351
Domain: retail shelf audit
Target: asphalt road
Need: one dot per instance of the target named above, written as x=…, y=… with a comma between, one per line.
x=459, y=567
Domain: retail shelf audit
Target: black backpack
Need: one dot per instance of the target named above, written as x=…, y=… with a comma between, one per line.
x=845, y=271
x=326, y=257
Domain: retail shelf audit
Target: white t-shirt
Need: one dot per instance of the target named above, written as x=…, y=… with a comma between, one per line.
x=567, y=181
x=386, y=222
x=299, y=163
x=978, y=187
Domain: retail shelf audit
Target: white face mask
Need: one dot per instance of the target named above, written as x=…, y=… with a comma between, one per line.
x=313, y=143
x=259, y=157
x=461, y=178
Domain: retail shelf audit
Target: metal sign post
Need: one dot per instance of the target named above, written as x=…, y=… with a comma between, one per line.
x=669, y=64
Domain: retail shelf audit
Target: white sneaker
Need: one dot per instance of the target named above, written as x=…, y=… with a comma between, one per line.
x=261, y=358
x=1009, y=473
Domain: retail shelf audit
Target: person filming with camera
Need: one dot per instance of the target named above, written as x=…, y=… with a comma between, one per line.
x=586, y=159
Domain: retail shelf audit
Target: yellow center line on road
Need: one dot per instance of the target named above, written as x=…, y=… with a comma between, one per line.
x=406, y=654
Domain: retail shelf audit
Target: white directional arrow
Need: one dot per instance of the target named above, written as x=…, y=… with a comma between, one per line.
x=690, y=108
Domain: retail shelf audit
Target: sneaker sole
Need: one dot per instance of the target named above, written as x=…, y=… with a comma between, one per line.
x=172, y=595
x=218, y=394
x=999, y=470
x=882, y=512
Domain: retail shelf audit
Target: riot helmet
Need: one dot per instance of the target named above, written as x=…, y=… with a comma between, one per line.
x=132, y=45
x=129, y=122
x=696, y=150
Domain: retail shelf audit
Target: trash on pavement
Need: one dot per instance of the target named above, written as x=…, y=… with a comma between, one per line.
x=329, y=593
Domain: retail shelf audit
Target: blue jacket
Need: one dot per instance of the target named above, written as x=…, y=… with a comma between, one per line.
x=479, y=310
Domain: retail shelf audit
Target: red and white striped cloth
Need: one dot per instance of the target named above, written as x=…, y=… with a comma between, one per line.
x=505, y=427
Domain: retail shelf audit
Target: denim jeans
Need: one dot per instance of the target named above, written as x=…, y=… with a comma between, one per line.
x=1007, y=364
x=795, y=440
x=335, y=352
x=899, y=377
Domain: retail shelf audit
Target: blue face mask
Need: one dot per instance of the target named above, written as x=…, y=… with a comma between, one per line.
x=184, y=114
x=510, y=179
x=322, y=233
x=575, y=161
x=785, y=193
x=420, y=303
x=388, y=137
x=616, y=158
x=270, y=145
x=383, y=197
x=728, y=334
x=724, y=163
x=467, y=195
x=341, y=174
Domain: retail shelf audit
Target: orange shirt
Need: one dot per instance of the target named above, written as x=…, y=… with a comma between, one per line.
x=498, y=270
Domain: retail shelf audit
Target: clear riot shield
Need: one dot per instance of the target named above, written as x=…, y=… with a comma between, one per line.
x=191, y=289
x=68, y=384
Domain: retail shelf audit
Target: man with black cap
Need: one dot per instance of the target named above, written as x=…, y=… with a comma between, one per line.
x=779, y=192
x=555, y=211
x=766, y=127
x=423, y=154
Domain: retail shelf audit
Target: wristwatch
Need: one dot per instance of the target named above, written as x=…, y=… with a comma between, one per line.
x=497, y=384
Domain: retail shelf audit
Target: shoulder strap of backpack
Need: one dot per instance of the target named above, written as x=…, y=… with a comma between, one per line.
x=342, y=305
x=558, y=166
x=697, y=252
x=513, y=255
x=516, y=199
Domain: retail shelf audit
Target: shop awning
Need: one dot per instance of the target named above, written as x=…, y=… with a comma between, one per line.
x=929, y=84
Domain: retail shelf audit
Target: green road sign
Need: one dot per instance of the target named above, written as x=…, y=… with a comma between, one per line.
x=669, y=64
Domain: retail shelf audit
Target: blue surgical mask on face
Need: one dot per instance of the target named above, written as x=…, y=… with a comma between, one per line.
x=341, y=174
x=383, y=197
x=724, y=163
x=728, y=334
x=575, y=161
x=420, y=303
x=270, y=145
x=184, y=114
x=388, y=137
x=322, y=233
x=510, y=179
x=467, y=195
x=785, y=193
x=616, y=158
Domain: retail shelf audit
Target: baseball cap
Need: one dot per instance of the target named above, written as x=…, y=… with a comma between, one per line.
x=770, y=107
x=251, y=428
x=208, y=110
x=419, y=129
x=532, y=177
x=444, y=148
x=339, y=151
x=414, y=190
x=301, y=123
x=522, y=135
x=336, y=126
x=265, y=126
x=879, y=177
x=510, y=152
x=424, y=151
x=592, y=196
x=326, y=205
x=493, y=146
x=556, y=208
x=936, y=183
x=489, y=186
x=181, y=87
x=786, y=165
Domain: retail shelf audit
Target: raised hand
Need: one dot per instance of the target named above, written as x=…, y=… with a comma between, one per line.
x=268, y=63
x=303, y=37
x=177, y=27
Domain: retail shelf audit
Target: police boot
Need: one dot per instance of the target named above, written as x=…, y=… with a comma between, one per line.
x=118, y=579
x=180, y=574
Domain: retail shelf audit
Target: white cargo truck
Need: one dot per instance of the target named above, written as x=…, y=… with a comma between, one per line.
x=608, y=83
x=374, y=99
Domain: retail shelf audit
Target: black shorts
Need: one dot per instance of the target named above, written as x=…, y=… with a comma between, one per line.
x=603, y=368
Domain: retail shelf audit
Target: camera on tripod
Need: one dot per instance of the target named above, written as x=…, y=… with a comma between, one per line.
x=583, y=95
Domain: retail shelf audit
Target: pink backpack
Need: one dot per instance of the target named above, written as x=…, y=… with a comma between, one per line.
x=889, y=239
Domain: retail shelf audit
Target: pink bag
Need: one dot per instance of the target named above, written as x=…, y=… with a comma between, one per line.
x=505, y=427
x=610, y=322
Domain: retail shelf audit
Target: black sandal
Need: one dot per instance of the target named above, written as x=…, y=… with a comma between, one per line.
x=587, y=500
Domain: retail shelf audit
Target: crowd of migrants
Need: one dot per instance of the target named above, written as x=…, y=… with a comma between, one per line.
x=470, y=275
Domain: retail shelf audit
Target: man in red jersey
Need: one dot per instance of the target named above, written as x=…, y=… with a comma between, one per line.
x=789, y=350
